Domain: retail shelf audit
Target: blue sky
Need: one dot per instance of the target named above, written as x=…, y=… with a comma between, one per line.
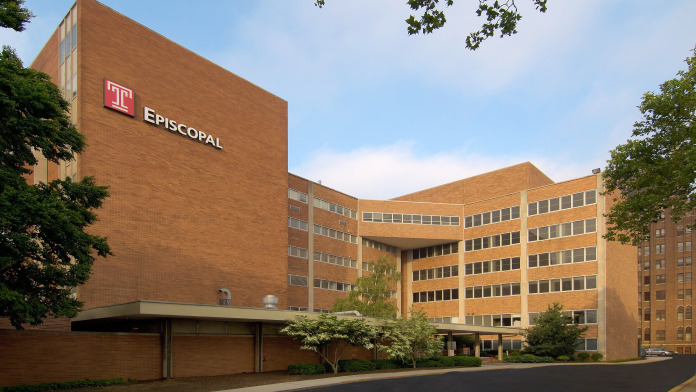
x=376, y=113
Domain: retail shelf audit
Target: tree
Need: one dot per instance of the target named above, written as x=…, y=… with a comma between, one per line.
x=13, y=15
x=372, y=294
x=554, y=334
x=326, y=330
x=656, y=169
x=44, y=249
x=500, y=16
x=411, y=338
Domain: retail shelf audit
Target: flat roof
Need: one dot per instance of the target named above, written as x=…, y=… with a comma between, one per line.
x=159, y=309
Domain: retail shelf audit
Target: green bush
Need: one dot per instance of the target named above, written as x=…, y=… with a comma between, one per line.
x=514, y=353
x=528, y=358
x=307, y=368
x=63, y=385
x=597, y=357
x=583, y=356
x=446, y=361
x=356, y=365
x=427, y=362
x=563, y=358
x=386, y=364
x=467, y=361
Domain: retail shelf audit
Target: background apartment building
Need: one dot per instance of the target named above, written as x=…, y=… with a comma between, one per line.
x=666, y=286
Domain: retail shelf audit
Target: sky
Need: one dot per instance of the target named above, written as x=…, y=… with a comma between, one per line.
x=376, y=113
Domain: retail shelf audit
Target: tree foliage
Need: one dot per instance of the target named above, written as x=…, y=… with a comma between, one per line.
x=44, y=249
x=326, y=330
x=372, y=293
x=410, y=338
x=501, y=16
x=553, y=335
x=656, y=169
x=13, y=15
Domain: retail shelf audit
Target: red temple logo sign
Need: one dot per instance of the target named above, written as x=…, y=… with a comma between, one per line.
x=119, y=98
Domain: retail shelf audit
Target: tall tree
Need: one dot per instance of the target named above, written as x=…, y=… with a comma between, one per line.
x=554, y=334
x=372, y=293
x=328, y=330
x=410, y=338
x=501, y=16
x=656, y=169
x=44, y=249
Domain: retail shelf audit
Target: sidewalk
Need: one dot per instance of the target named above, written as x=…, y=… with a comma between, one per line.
x=688, y=386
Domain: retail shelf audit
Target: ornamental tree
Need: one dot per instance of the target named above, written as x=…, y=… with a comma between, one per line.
x=501, y=16
x=656, y=169
x=372, y=293
x=44, y=249
x=410, y=338
x=328, y=331
x=554, y=334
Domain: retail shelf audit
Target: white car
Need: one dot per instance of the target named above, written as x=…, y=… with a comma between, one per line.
x=658, y=351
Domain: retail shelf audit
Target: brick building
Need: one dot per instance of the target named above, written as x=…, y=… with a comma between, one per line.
x=204, y=220
x=665, y=286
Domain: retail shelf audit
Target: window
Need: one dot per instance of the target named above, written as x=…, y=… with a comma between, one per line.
x=688, y=246
x=295, y=280
x=680, y=246
x=646, y=336
x=646, y=279
x=646, y=296
x=680, y=333
x=660, y=295
x=659, y=279
x=646, y=265
x=660, y=314
x=660, y=249
x=646, y=314
x=687, y=313
x=297, y=224
x=659, y=233
x=680, y=313
x=680, y=294
x=688, y=334
x=659, y=264
x=660, y=335
x=680, y=278
x=297, y=195
x=680, y=231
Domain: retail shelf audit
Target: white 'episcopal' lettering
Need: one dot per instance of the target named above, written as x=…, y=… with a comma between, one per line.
x=150, y=116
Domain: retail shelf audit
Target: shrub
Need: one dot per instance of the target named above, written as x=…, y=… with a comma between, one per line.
x=528, y=358
x=514, y=353
x=307, y=368
x=386, y=364
x=467, y=361
x=356, y=365
x=597, y=357
x=563, y=358
x=446, y=361
x=583, y=356
x=63, y=385
x=427, y=362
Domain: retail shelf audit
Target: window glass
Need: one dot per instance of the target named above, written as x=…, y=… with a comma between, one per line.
x=566, y=202
x=578, y=199
x=532, y=208
x=555, y=204
x=590, y=282
x=543, y=206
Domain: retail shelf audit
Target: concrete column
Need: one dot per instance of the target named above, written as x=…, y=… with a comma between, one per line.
x=258, y=348
x=524, y=262
x=450, y=341
x=310, y=247
x=477, y=345
x=167, y=348
x=601, y=269
x=500, y=346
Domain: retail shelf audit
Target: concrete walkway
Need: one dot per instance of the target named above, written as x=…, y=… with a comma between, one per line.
x=687, y=386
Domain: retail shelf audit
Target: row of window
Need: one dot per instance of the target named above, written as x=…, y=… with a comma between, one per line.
x=574, y=283
x=336, y=234
x=660, y=233
x=298, y=308
x=563, y=230
x=495, y=320
x=447, y=319
x=484, y=267
x=495, y=290
x=333, y=207
x=684, y=246
x=661, y=334
x=660, y=264
x=298, y=252
x=588, y=316
x=379, y=246
x=658, y=279
x=333, y=259
x=562, y=203
x=436, y=273
x=297, y=223
x=577, y=255
x=661, y=314
x=68, y=43
x=437, y=250
x=332, y=285
x=414, y=219
x=297, y=195
x=588, y=344
x=508, y=344
x=485, y=218
x=492, y=241
x=436, y=295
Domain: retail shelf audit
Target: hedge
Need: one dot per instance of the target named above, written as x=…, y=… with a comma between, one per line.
x=356, y=365
x=306, y=368
x=64, y=385
x=528, y=358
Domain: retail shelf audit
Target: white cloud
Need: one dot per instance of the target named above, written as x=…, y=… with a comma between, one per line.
x=388, y=171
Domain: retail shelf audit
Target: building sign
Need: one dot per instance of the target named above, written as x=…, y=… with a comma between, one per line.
x=150, y=116
x=119, y=98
